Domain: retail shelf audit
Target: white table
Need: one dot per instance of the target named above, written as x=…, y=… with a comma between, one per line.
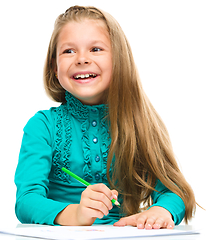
x=201, y=236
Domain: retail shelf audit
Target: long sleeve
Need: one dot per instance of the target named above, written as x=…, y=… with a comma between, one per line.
x=74, y=136
x=170, y=201
x=31, y=177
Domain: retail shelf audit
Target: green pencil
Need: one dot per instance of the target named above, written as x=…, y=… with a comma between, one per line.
x=85, y=183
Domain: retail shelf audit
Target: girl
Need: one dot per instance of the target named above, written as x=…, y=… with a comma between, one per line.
x=106, y=131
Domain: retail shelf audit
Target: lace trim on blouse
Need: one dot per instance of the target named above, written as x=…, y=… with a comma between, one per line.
x=64, y=131
x=62, y=150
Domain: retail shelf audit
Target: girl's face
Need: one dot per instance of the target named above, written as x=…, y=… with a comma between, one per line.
x=84, y=60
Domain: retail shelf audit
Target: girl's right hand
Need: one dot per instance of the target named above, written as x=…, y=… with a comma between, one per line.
x=95, y=203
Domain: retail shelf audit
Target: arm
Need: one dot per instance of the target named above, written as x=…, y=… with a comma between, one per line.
x=95, y=203
x=170, y=201
x=31, y=177
x=32, y=181
x=168, y=209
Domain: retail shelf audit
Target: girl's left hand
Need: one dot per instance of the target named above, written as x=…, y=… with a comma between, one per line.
x=154, y=218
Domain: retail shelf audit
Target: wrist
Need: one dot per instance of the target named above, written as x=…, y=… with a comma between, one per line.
x=162, y=209
x=67, y=217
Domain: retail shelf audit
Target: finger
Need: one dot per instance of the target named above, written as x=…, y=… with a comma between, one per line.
x=99, y=206
x=141, y=220
x=110, y=194
x=91, y=213
x=170, y=225
x=131, y=220
x=101, y=197
x=102, y=188
x=149, y=223
x=98, y=201
x=114, y=194
x=105, y=200
x=160, y=223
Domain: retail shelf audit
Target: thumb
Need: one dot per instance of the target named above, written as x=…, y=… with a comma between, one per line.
x=120, y=223
x=131, y=220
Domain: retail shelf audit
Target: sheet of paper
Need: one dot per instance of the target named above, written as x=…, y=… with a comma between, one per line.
x=90, y=232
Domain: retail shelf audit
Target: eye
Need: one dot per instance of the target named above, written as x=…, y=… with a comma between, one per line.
x=96, y=49
x=69, y=51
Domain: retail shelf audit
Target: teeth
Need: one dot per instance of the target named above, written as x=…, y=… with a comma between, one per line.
x=84, y=76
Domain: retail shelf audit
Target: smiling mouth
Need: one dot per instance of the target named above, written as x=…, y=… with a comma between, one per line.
x=84, y=76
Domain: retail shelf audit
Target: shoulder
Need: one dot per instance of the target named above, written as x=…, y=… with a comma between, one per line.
x=42, y=121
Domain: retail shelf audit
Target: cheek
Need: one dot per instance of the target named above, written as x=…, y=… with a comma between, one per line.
x=108, y=66
x=62, y=73
x=63, y=83
x=62, y=67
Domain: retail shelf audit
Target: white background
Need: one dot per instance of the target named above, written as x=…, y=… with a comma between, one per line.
x=168, y=39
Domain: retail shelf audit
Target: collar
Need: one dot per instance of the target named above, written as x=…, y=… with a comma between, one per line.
x=80, y=110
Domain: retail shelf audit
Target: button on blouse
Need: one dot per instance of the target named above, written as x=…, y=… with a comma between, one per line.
x=97, y=158
x=94, y=123
x=97, y=176
x=95, y=140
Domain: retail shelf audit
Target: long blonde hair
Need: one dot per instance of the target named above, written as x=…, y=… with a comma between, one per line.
x=139, y=139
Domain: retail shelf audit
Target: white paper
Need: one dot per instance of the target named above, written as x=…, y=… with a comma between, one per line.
x=90, y=232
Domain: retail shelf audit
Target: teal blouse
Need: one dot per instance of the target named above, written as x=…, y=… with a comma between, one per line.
x=74, y=136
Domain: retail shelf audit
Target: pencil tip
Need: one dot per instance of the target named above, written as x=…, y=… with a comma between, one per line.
x=117, y=203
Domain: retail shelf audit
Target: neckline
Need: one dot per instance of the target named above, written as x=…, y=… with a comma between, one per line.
x=80, y=110
x=69, y=97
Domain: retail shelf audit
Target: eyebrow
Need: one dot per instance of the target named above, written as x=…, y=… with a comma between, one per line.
x=98, y=41
x=66, y=44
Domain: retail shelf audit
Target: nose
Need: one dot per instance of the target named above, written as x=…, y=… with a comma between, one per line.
x=82, y=59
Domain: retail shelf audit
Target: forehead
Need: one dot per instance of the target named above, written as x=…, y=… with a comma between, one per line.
x=83, y=30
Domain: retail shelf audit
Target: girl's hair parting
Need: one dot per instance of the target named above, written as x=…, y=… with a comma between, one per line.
x=139, y=139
